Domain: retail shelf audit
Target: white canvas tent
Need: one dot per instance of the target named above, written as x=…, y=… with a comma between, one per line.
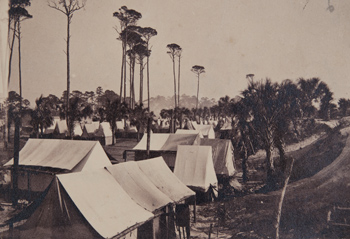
x=223, y=158
x=165, y=180
x=189, y=131
x=77, y=131
x=206, y=130
x=120, y=125
x=90, y=129
x=61, y=129
x=139, y=187
x=164, y=145
x=104, y=134
x=85, y=205
x=50, y=129
x=41, y=159
x=194, y=167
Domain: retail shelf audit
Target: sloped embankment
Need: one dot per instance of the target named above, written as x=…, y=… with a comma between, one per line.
x=316, y=156
x=307, y=201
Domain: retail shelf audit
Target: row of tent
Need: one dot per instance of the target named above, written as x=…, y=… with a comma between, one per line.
x=200, y=163
x=166, y=145
x=85, y=199
x=49, y=166
x=92, y=131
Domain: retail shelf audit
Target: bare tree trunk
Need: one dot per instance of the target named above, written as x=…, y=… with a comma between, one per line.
x=288, y=172
x=121, y=74
x=113, y=135
x=125, y=70
x=133, y=83
x=197, y=94
x=178, y=90
x=8, y=128
x=281, y=149
x=68, y=76
x=174, y=81
x=19, y=67
x=148, y=89
x=16, y=161
x=141, y=81
x=130, y=81
x=244, y=163
x=148, y=136
x=8, y=121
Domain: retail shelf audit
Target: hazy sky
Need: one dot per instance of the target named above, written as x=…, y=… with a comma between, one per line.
x=230, y=38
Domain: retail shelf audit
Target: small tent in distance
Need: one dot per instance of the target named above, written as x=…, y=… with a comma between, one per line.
x=104, y=134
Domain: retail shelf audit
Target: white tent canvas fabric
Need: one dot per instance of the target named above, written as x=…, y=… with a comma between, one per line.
x=77, y=131
x=90, y=129
x=61, y=128
x=189, y=131
x=104, y=133
x=104, y=130
x=139, y=187
x=206, y=130
x=103, y=202
x=194, y=167
x=223, y=157
x=50, y=129
x=165, y=180
x=55, y=155
x=82, y=205
x=156, y=143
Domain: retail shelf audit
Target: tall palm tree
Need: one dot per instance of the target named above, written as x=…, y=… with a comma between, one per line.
x=68, y=8
x=141, y=52
x=174, y=51
x=198, y=70
x=127, y=17
x=260, y=101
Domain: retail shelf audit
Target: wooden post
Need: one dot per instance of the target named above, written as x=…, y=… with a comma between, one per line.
x=211, y=226
x=279, y=212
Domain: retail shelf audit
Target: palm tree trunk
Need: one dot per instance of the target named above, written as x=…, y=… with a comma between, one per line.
x=125, y=46
x=178, y=85
x=174, y=81
x=133, y=83
x=8, y=121
x=19, y=67
x=148, y=90
x=130, y=80
x=281, y=149
x=141, y=81
x=148, y=136
x=15, y=162
x=68, y=76
x=121, y=74
x=113, y=135
x=197, y=94
x=244, y=163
